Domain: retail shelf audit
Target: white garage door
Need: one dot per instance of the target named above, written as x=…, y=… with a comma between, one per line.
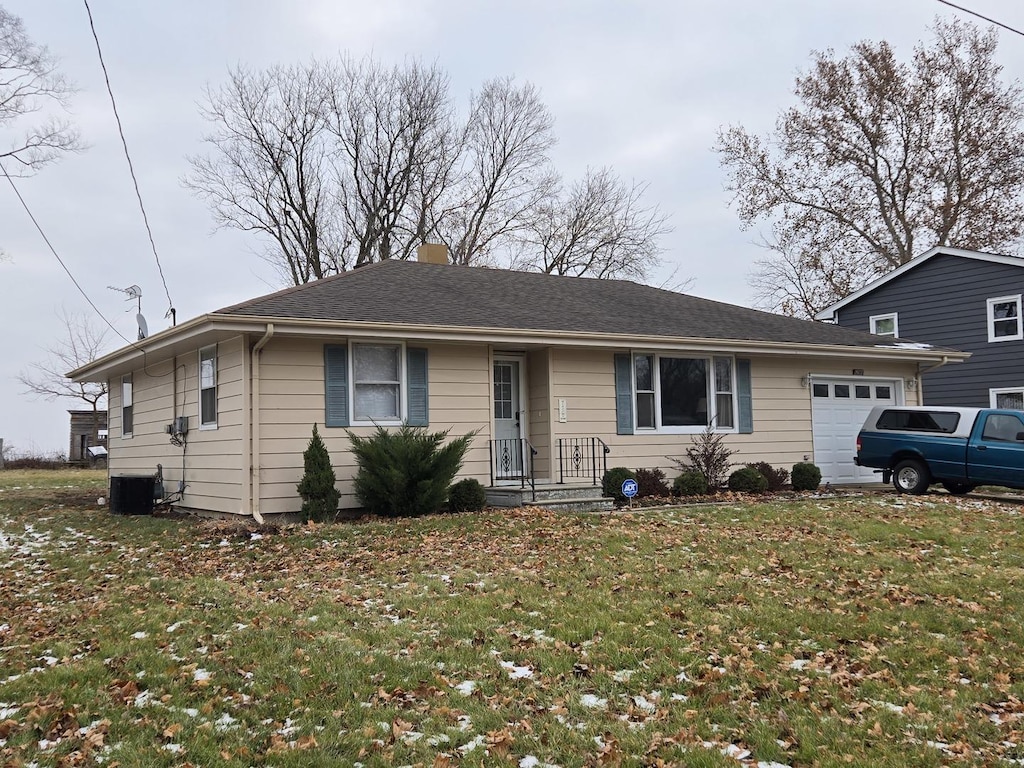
x=838, y=410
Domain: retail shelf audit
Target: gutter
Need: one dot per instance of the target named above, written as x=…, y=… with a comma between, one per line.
x=254, y=420
x=923, y=369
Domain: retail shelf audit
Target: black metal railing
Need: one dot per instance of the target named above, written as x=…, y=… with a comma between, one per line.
x=582, y=458
x=512, y=459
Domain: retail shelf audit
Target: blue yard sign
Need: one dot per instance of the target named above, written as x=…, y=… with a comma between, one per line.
x=629, y=488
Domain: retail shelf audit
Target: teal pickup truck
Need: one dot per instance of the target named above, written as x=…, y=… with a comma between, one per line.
x=961, y=448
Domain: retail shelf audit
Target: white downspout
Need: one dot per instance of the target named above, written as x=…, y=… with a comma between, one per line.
x=255, y=421
x=921, y=371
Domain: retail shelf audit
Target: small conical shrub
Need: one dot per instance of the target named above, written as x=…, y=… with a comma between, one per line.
x=319, y=496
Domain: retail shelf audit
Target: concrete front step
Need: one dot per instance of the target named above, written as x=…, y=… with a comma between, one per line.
x=562, y=497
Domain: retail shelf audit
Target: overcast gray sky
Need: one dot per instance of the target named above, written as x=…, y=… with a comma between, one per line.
x=639, y=86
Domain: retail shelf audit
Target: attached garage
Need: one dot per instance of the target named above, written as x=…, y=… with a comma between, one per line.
x=838, y=409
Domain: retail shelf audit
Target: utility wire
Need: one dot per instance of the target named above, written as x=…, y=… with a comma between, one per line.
x=57, y=256
x=128, y=157
x=986, y=18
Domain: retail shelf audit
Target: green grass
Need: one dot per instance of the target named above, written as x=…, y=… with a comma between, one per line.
x=873, y=631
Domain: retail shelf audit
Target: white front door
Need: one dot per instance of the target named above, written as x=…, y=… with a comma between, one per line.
x=838, y=409
x=508, y=454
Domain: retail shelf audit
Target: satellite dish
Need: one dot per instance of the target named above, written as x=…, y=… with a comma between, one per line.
x=143, y=326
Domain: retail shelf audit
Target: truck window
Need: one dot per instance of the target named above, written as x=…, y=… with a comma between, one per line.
x=919, y=421
x=1002, y=427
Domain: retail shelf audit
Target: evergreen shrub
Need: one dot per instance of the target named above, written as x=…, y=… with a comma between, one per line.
x=406, y=472
x=467, y=495
x=748, y=480
x=319, y=496
x=806, y=476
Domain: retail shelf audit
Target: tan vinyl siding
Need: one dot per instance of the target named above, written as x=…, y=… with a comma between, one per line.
x=292, y=400
x=539, y=407
x=781, y=406
x=213, y=460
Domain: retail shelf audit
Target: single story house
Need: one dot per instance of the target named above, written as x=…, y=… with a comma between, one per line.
x=226, y=401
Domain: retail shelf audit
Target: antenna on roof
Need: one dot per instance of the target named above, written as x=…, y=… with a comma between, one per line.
x=134, y=293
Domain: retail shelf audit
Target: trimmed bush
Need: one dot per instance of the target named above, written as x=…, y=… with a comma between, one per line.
x=650, y=482
x=748, y=480
x=806, y=476
x=776, y=477
x=690, y=483
x=319, y=496
x=611, y=483
x=467, y=495
x=406, y=472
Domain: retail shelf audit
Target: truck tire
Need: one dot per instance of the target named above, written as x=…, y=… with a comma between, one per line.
x=957, y=489
x=911, y=476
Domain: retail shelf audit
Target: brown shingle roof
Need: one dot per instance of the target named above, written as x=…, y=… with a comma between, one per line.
x=416, y=293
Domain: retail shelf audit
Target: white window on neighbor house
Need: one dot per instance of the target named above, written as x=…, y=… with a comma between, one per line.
x=377, y=383
x=208, y=387
x=127, y=406
x=1008, y=397
x=1004, y=319
x=684, y=394
x=885, y=325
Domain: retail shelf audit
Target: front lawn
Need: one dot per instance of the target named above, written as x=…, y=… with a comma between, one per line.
x=869, y=631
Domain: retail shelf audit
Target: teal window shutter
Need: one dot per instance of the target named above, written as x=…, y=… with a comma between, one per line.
x=336, y=385
x=623, y=395
x=745, y=400
x=419, y=394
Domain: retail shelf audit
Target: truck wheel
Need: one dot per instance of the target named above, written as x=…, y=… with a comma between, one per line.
x=957, y=489
x=910, y=476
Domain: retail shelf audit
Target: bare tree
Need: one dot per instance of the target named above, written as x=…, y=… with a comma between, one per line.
x=271, y=169
x=352, y=162
x=81, y=343
x=392, y=131
x=29, y=80
x=600, y=228
x=506, y=172
x=881, y=160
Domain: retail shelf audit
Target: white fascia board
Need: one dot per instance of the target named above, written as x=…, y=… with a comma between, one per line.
x=829, y=312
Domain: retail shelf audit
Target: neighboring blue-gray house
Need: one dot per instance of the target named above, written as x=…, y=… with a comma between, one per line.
x=953, y=298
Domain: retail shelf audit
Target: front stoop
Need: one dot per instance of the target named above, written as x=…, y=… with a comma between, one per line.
x=565, y=498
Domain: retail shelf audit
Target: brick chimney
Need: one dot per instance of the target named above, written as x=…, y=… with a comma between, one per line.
x=432, y=253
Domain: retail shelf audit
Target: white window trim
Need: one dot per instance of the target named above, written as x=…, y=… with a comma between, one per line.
x=131, y=383
x=711, y=393
x=990, y=304
x=1002, y=391
x=403, y=384
x=894, y=316
x=216, y=386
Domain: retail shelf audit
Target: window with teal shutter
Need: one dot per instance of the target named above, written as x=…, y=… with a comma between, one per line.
x=419, y=393
x=623, y=395
x=336, y=385
x=745, y=399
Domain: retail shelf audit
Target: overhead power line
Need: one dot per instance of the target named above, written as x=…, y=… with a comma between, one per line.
x=980, y=16
x=57, y=255
x=128, y=157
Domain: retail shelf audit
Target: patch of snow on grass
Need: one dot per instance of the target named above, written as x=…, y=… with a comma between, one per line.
x=533, y=762
x=139, y=635
x=466, y=687
x=591, y=701
x=474, y=743
x=517, y=673
x=201, y=675
x=623, y=675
